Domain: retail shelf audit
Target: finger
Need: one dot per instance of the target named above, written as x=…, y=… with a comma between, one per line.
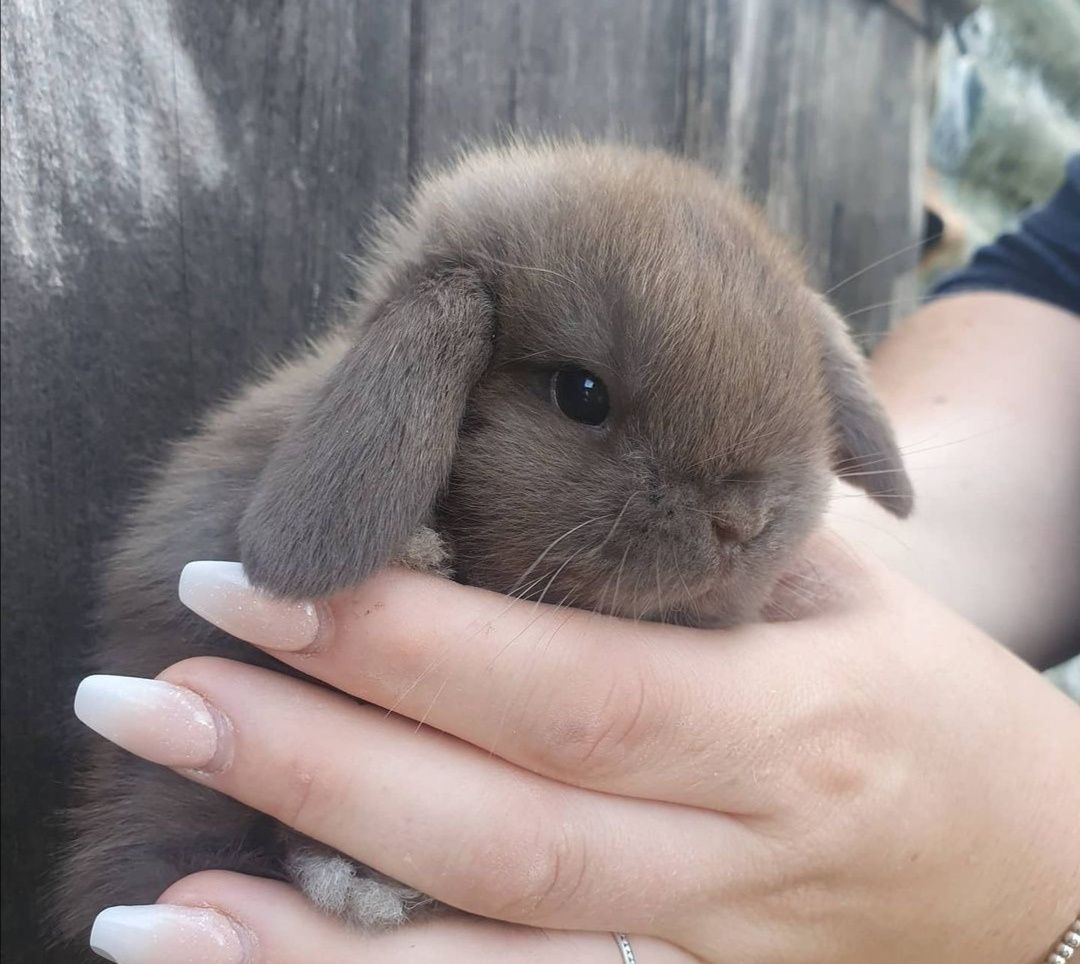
x=646, y=710
x=233, y=919
x=425, y=808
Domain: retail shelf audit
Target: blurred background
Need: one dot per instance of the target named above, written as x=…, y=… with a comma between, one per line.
x=183, y=180
x=1006, y=116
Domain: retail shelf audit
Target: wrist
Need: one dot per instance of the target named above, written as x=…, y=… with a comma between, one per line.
x=1044, y=910
x=1067, y=947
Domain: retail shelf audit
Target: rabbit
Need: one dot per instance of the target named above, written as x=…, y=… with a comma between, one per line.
x=584, y=373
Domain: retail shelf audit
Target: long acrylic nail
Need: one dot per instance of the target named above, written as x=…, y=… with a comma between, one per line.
x=221, y=594
x=160, y=722
x=167, y=934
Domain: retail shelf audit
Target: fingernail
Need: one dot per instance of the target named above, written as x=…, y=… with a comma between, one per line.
x=221, y=594
x=166, y=934
x=160, y=722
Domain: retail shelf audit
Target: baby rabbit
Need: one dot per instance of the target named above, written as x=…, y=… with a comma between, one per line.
x=584, y=373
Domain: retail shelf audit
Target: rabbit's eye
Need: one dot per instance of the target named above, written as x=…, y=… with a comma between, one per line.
x=580, y=395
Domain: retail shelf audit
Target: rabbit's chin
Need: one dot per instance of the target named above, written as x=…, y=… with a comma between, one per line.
x=727, y=602
x=713, y=621
x=734, y=614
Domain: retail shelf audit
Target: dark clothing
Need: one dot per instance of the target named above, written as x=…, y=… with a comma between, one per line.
x=1041, y=258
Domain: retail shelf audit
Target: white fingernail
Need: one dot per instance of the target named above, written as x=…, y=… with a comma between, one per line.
x=153, y=719
x=221, y=594
x=167, y=934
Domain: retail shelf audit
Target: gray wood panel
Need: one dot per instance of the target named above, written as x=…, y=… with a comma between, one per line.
x=182, y=180
x=180, y=184
x=609, y=70
x=843, y=84
x=464, y=55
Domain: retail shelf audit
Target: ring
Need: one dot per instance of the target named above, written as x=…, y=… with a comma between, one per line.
x=625, y=949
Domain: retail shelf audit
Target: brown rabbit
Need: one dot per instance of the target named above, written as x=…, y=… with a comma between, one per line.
x=588, y=374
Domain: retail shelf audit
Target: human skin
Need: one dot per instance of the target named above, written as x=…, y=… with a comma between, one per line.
x=875, y=780
x=983, y=390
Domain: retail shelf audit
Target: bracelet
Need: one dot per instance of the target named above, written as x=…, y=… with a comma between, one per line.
x=1067, y=946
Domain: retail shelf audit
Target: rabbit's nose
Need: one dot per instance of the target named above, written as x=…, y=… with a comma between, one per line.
x=738, y=529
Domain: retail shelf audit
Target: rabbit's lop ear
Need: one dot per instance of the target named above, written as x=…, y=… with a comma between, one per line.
x=361, y=468
x=865, y=452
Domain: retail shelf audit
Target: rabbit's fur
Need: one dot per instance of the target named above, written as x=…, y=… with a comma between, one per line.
x=424, y=428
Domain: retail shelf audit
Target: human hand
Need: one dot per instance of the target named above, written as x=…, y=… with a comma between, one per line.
x=874, y=781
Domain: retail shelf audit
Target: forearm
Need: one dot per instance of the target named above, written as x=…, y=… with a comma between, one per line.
x=984, y=392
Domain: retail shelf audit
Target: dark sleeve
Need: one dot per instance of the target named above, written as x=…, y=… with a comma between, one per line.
x=1041, y=258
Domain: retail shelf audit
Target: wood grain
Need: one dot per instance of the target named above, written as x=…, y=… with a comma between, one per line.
x=182, y=181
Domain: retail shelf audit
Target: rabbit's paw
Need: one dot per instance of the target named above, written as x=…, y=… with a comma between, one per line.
x=348, y=890
x=426, y=551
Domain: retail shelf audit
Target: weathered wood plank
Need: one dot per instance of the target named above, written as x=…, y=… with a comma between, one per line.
x=482, y=70
x=464, y=54
x=791, y=100
x=608, y=70
x=180, y=182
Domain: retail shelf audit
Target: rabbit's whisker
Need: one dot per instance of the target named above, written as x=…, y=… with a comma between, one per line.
x=440, y=660
x=558, y=572
x=539, y=270
x=690, y=600
x=618, y=577
x=841, y=540
x=659, y=590
x=540, y=558
x=541, y=651
x=615, y=524
x=880, y=261
x=912, y=302
x=859, y=475
x=739, y=448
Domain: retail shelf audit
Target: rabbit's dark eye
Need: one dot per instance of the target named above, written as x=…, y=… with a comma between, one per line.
x=580, y=395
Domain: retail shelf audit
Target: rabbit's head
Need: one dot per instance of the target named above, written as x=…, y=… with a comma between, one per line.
x=603, y=376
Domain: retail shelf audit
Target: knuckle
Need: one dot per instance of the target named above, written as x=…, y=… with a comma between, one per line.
x=304, y=796
x=536, y=882
x=843, y=754
x=612, y=730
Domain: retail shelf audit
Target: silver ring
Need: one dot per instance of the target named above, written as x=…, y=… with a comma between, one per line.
x=625, y=949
